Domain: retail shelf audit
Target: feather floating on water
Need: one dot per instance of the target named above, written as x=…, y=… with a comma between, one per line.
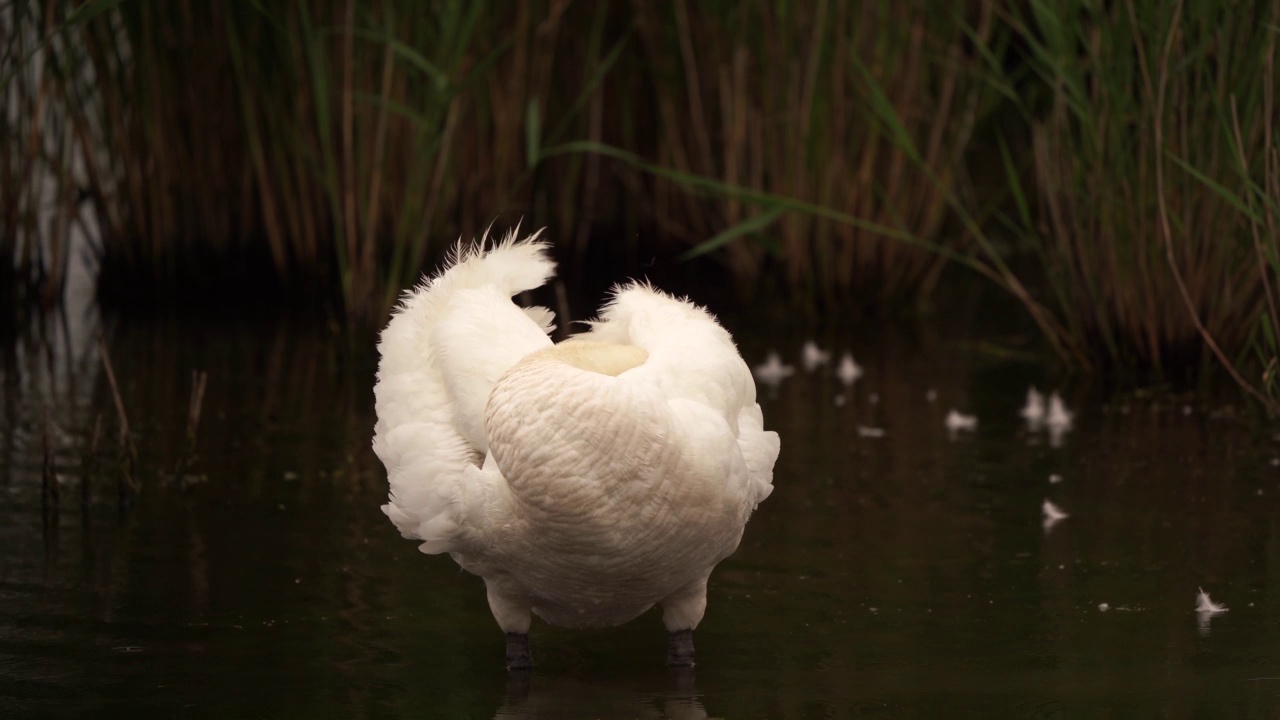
x=1052, y=511
x=772, y=371
x=1052, y=514
x=959, y=421
x=848, y=371
x=1033, y=410
x=1058, y=415
x=1206, y=605
x=811, y=356
x=1058, y=420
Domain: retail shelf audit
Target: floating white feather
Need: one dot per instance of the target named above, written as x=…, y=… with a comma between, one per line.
x=848, y=371
x=772, y=371
x=811, y=356
x=1052, y=511
x=956, y=421
x=1058, y=416
x=1033, y=409
x=1206, y=605
x=1052, y=514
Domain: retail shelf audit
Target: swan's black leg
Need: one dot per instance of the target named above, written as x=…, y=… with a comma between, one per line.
x=519, y=656
x=680, y=648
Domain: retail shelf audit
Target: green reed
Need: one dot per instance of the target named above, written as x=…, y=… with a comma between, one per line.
x=1111, y=165
x=779, y=99
x=338, y=143
x=38, y=196
x=1134, y=194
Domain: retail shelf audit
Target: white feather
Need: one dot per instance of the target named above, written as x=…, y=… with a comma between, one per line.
x=1206, y=605
x=1058, y=416
x=1052, y=511
x=772, y=371
x=1033, y=410
x=811, y=356
x=584, y=481
x=848, y=371
x=957, y=420
x=1052, y=514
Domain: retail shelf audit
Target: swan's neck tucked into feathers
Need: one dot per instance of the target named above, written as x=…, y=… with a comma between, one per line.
x=597, y=357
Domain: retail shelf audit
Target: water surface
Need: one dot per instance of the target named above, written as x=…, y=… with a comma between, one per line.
x=907, y=575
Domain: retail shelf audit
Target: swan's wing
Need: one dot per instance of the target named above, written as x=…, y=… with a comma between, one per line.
x=759, y=449
x=482, y=336
x=445, y=346
x=691, y=357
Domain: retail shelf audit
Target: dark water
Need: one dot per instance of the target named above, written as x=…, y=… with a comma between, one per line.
x=901, y=576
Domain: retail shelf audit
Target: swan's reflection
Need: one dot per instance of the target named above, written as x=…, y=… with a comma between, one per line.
x=672, y=697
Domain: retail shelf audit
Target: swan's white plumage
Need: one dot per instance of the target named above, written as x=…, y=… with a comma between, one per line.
x=584, y=481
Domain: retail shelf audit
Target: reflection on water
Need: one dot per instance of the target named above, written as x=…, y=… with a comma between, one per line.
x=534, y=698
x=898, y=572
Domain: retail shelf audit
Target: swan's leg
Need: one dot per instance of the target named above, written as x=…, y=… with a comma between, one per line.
x=519, y=656
x=680, y=648
x=513, y=617
x=681, y=613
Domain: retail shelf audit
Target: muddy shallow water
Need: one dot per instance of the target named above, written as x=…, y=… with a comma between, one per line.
x=902, y=575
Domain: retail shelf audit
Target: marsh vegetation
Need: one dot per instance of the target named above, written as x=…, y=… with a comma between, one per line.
x=1112, y=167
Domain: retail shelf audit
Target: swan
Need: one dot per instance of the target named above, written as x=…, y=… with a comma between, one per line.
x=584, y=481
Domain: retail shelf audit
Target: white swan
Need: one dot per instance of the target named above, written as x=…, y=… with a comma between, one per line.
x=584, y=481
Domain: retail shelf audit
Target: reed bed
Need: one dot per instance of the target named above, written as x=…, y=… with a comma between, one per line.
x=869, y=108
x=38, y=144
x=1148, y=193
x=341, y=143
x=844, y=153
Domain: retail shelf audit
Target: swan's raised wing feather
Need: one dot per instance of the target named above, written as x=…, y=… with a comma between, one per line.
x=481, y=336
x=443, y=349
x=691, y=357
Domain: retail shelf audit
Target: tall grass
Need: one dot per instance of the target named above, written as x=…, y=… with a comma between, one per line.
x=1131, y=109
x=781, y=99
x=38, y=195
x=316, y=144
x=337, y=142
x=1112, y=165
x=324, y=136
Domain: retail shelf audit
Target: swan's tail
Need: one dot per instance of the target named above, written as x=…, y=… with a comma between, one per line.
x=444, y=348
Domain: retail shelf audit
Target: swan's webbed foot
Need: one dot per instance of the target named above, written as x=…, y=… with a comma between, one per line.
x=680, y=648
x=519, y=656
